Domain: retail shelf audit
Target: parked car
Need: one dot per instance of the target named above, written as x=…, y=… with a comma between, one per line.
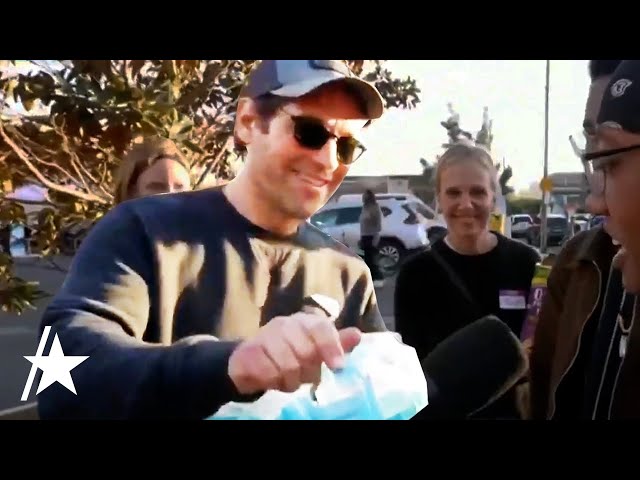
x=558, y=230
x=355, y=197
x=597, y=220
x=579, y=224
x=73, y=235
x=433, y=221
x=405, y=221
x=520, y=224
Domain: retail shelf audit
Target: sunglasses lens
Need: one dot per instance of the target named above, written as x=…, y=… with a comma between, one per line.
x=349, y=150
x=310, y=134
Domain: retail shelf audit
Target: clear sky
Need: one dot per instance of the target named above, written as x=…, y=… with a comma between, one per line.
x=514, y=91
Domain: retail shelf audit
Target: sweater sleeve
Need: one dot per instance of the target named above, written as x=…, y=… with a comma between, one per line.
x=371, y=320
x=102, y=312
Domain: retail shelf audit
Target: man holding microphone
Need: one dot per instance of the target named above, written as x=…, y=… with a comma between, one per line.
x=185, y=302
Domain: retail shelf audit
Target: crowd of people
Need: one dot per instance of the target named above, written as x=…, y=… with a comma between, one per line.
x=190, y=300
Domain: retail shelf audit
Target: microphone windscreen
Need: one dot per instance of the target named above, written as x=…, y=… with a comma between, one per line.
x=472, y=368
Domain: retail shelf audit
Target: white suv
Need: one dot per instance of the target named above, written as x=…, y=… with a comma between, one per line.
x=405, y=221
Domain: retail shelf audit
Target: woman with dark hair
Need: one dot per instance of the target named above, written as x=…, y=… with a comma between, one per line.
x=152, y=167
x=370, y=227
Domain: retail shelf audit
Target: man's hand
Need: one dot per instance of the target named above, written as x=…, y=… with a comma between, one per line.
x=288, y=352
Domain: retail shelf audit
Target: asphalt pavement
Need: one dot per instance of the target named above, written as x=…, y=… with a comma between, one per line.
x=19, y=334
x=384, y=295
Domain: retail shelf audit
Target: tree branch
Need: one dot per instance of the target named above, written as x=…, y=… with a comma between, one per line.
x=75, y=161
x=213, y=162
x=20, y=201
x=45, y=182
x=23, y=141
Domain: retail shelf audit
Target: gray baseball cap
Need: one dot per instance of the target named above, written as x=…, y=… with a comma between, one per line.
x=294, y=78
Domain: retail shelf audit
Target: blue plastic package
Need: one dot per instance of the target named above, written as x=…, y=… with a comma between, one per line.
x=382, y=380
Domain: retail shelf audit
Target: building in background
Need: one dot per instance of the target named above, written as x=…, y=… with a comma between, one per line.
x=569, y=192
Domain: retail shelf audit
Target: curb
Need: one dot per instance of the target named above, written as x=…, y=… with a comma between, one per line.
x=26, y=259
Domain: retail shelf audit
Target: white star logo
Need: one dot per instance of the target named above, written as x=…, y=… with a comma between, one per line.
x=56, y=367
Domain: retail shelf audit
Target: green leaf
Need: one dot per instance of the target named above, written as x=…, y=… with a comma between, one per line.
x=148, y=128
x=29, y=104
x=10, y=87
x=186, y=129
x=174, y=130
x=193, y=147
x=154, y=121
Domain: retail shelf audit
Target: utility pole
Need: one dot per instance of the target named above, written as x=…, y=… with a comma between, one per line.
x=546, y=192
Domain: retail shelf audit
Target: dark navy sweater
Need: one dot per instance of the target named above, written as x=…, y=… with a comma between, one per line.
x=163, y=289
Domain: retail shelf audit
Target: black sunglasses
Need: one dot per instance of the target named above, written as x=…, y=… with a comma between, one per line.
x=312, y=133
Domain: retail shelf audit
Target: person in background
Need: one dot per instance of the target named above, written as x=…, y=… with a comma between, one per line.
x=152, y=167
x=471, y=272
x=573, y=335
x=188, y=301
x=370, y=228
x=5, y=239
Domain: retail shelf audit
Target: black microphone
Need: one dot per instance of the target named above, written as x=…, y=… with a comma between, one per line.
x=472, y=368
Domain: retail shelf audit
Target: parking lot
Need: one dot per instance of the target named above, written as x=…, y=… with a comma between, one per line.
x=18, y=334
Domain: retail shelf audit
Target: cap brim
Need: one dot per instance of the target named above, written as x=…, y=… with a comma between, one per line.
x=368, y=93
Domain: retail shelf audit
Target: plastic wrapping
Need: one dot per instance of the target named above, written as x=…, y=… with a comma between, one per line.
x=382, y=380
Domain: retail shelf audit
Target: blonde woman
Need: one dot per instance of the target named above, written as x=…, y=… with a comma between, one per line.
x=469, y=273
x=152, y=167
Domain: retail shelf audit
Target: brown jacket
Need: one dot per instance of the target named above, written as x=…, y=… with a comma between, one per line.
x=576, y=283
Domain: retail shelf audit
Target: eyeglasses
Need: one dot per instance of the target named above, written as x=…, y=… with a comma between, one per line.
x=590, y=156
x=596, y=181
x=603, y=165
x=311, y=133
x=597, y=162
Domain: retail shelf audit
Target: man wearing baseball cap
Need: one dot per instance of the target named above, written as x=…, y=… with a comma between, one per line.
x=579, y=346
x=185, y=302
x=617, y=156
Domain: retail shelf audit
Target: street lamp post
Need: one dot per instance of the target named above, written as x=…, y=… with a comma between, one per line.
x=545, y=194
